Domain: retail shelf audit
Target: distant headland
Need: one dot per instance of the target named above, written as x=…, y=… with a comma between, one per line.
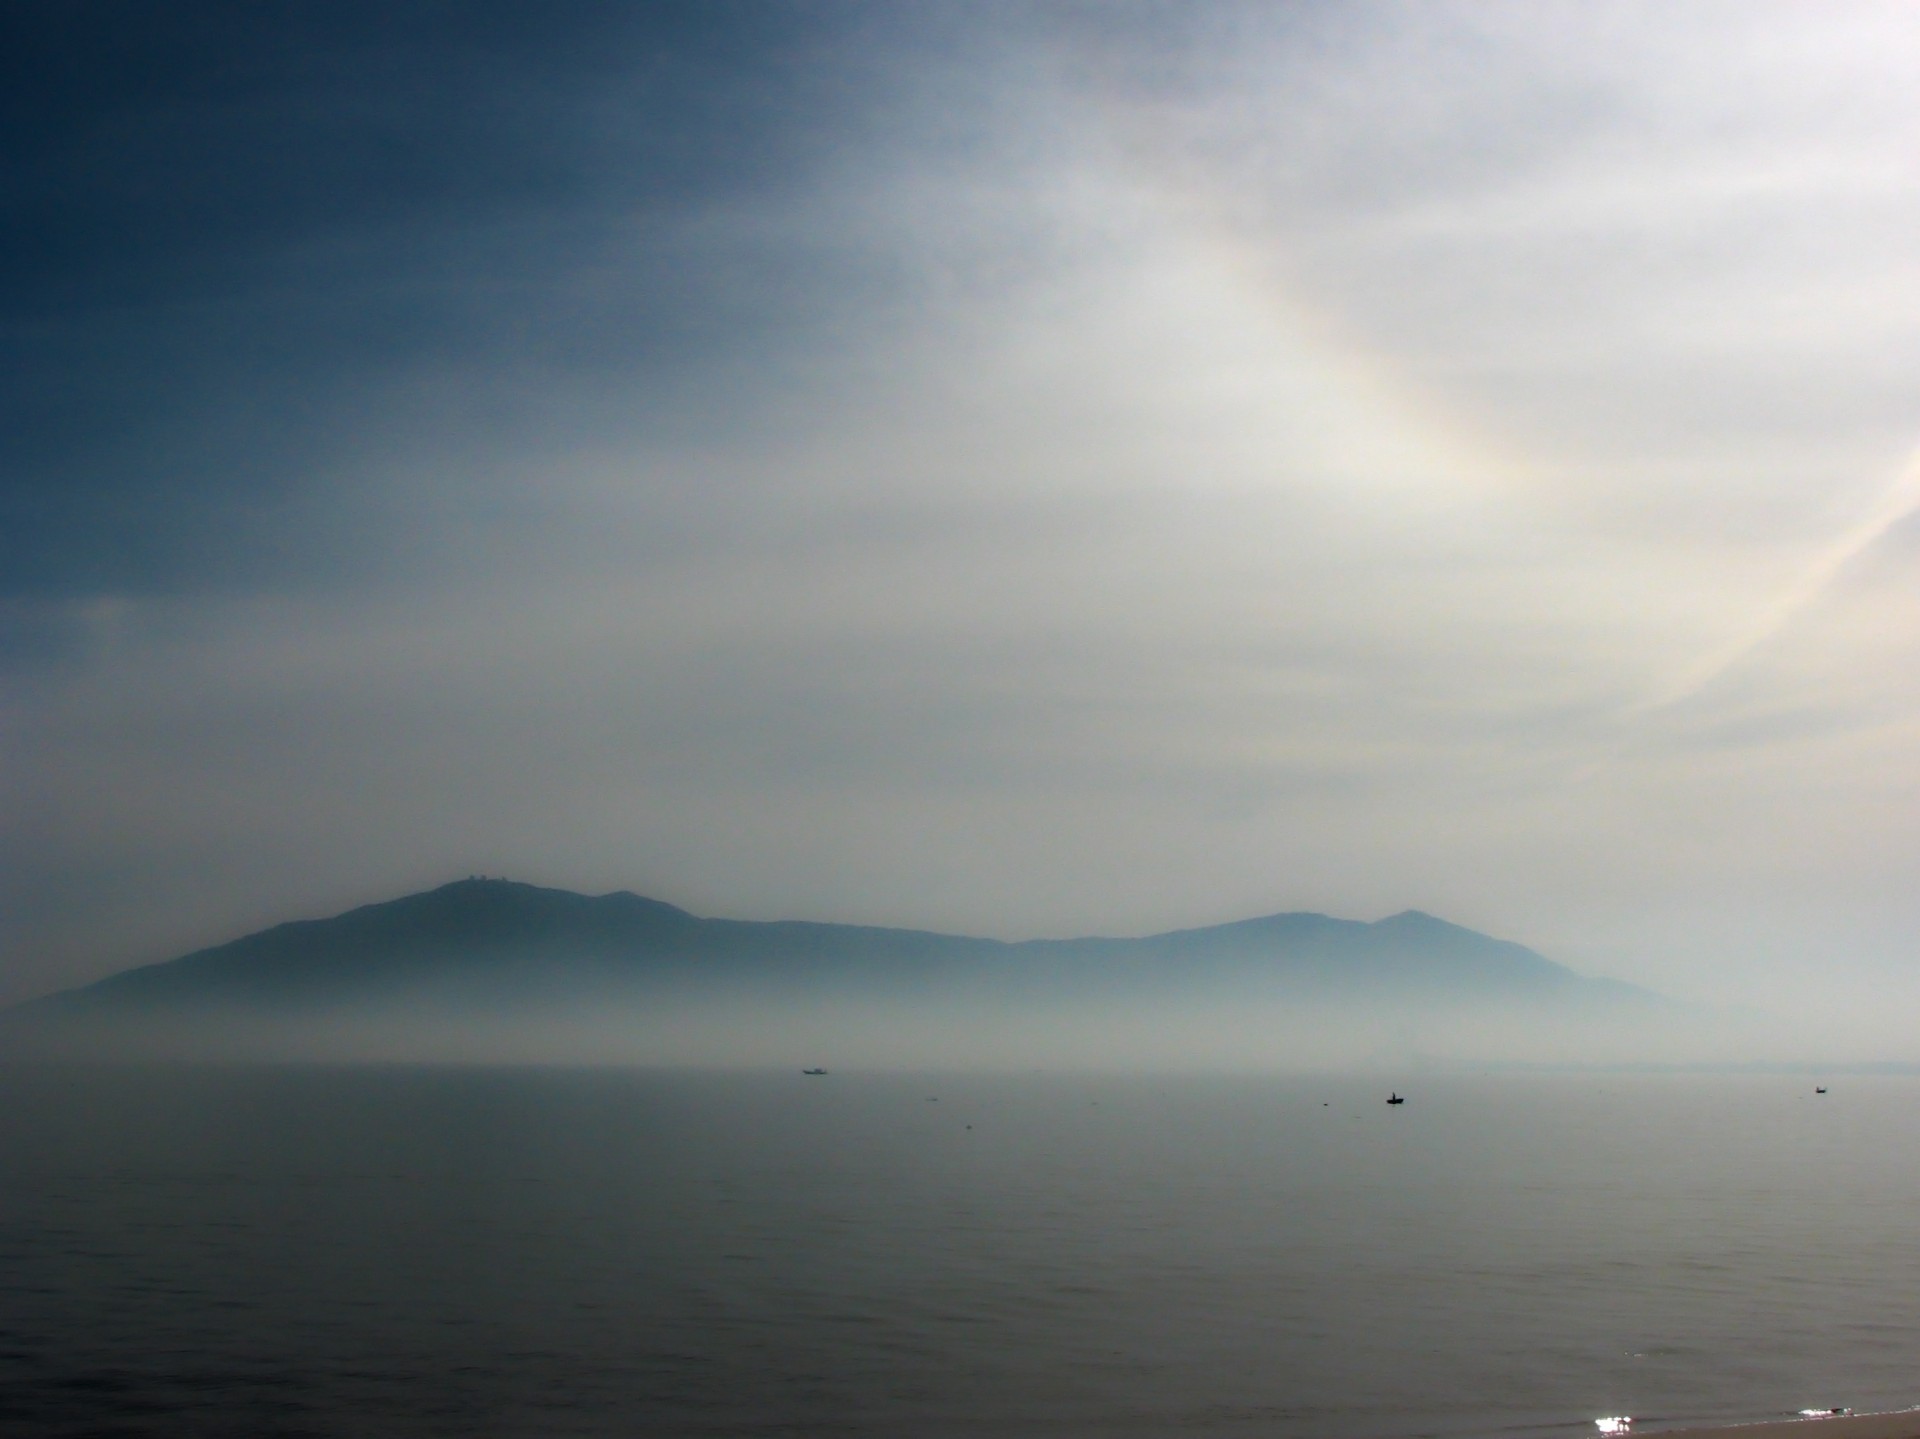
x=497, y=959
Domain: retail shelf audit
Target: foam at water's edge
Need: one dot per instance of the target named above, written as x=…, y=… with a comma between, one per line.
x=1888, y=1424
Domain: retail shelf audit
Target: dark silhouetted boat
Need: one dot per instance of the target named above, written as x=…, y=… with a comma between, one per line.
x=1395, y=1099
x=813, y=1071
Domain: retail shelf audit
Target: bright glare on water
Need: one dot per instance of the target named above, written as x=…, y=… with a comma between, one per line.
x=508, y=1253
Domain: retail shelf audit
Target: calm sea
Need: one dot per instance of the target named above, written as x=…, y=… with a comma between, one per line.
x=510, y=1252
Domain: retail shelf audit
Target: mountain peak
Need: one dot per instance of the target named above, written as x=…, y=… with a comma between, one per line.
x=1415, y=919
x=495, y=894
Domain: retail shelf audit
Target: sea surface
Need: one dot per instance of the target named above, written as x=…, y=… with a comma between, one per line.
x=524, y=1252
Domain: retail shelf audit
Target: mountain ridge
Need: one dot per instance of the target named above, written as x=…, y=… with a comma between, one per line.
x=510, y=956
x=485, y=916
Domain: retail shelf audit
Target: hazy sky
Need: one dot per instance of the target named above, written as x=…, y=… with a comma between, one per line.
x=1026, y=469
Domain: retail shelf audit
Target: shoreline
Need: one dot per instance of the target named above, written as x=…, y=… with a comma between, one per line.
x=1893, y=1424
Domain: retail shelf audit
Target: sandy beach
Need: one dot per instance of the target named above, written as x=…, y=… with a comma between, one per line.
x=1902, y=1424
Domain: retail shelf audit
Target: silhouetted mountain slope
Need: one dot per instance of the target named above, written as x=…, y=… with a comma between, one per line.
x=498, y=944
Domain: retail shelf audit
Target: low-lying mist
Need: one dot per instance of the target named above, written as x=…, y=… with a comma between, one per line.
x=494, y=971
x=976, y=1033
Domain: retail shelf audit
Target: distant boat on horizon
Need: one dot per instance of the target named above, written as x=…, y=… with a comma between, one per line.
x=813, y=1071
x=1395, y=1098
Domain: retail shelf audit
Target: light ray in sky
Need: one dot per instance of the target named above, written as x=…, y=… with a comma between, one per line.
x=1897, y=502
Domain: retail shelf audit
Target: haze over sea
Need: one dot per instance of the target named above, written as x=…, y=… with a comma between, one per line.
x=469, y=1251
x=944, y=541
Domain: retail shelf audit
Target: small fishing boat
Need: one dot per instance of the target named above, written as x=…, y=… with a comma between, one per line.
x=813, y=1071
x=1395, y=1098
